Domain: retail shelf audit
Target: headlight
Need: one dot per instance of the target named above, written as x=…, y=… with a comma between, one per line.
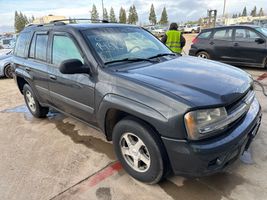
x=203, y=123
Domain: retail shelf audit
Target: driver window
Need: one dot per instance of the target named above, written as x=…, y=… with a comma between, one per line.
x=63, y=49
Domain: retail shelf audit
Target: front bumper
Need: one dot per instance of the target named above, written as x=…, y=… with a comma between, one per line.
x=210, y=156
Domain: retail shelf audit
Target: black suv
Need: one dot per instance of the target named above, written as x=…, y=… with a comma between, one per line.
x=243, y=45
x=162, y=111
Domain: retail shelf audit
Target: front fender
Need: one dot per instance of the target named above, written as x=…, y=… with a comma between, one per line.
x=134, y=108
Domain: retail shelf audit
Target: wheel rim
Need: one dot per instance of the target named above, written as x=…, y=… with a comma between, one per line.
x=202, y=55
x=8, y=72
x=30, y=101
x=135, y=152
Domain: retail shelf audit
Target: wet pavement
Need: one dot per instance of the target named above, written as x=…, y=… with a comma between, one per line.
x=61, y=158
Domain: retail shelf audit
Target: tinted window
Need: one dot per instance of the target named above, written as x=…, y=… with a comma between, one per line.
x=63, y=49
x=204, y=35
x=225, y=34
x=245, y=35
x=41, y=47
x=21, y=44
x=262, y=30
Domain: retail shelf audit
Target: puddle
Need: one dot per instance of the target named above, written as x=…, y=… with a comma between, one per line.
x=212, y=187
x=103, y=193
x=18, y=109
x=90, y=142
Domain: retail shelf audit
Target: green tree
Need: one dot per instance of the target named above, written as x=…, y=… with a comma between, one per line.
x=94, y=14
x=20, y=21
x=254, y=12
x=105, y=14
x=244, y=13
x=112, y=16
x=122, y=17
x=261, y=13
x=152, y=15
x=164, y=17
x=132, y=16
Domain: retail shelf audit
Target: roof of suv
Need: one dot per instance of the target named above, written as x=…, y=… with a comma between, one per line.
x=234, y=26
x=80, y=26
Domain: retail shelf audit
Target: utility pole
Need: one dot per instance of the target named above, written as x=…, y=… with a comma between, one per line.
x=224, y=6
x=102, y=9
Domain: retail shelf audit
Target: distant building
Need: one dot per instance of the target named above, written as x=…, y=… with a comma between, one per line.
x=244, y=20
x=47, y=19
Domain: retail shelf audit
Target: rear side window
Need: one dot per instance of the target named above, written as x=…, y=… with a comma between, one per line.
x=224, y=34
x=245, y=35
x=22, y=44
x=64, y=48
x=204, y=35
x=41, y=47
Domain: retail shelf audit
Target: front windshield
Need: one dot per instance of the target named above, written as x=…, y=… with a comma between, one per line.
x=118, y=43
x=263, y=31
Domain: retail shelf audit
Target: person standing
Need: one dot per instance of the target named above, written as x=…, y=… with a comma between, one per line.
x=174, y=39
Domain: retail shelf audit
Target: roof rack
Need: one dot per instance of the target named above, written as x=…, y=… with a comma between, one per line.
x=73, y=20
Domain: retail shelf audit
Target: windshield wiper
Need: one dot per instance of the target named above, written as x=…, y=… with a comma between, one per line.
x=130, y=60
x=162, y=54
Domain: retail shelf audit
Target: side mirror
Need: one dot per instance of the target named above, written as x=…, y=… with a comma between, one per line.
x=73, y=66
x=259, y=40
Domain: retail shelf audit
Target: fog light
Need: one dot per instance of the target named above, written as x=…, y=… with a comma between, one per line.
x=219, y=161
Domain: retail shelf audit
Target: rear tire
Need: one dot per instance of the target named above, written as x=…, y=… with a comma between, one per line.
x=203, y=54
x=32, y=103
x=139, y=150
x=8, y=71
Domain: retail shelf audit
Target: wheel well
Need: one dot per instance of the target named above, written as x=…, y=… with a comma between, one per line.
x=113, y=116
x=21, y=82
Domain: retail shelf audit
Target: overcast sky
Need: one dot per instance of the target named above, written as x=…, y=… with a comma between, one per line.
x=178, y=10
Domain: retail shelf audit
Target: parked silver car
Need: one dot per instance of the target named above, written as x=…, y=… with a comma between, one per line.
x=5, y=65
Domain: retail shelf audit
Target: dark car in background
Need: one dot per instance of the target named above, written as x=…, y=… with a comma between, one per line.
x=237, y=45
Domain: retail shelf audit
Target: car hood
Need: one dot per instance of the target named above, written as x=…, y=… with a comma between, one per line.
x=197, y=81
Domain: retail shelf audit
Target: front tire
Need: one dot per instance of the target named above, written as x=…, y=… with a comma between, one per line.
x=32, y=103
x=8, y=71
x=203, y=54
x=139, y=150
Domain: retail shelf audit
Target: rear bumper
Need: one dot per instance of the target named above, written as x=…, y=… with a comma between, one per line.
x=207, y=157
x=192, y=52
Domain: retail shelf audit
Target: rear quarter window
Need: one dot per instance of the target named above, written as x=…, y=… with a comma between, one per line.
x=204, y=35
x=22, y=44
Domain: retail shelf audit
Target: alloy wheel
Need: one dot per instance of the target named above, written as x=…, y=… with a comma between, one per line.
x=30, y=101
x=135, y=152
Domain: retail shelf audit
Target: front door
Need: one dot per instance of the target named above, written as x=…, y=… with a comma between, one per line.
x=247, y=50
x=73, y=94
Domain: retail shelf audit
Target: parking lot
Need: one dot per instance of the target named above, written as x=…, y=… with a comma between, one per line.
x=61, y=158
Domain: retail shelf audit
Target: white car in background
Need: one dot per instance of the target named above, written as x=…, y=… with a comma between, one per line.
x=5, y=64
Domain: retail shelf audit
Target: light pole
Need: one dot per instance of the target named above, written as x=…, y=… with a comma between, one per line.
x=103, y=9
x=224, y=6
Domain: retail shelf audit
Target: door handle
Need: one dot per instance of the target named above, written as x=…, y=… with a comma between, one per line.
x=27, y=69
x=236, y=44
x=212, y=43
x=53, y=77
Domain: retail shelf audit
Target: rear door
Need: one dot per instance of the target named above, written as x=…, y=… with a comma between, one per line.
x=247, y=50
x=36, y=65
x=221, y=44
x=73, y=94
